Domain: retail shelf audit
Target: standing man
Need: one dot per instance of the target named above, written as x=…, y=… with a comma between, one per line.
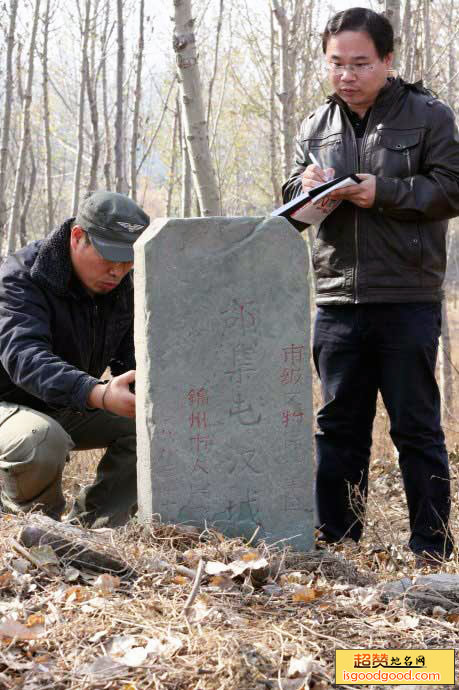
x=66, y=313
x=379, y=262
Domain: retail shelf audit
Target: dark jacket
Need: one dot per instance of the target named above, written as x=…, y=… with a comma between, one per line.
x=55, y=339
x=394, y=251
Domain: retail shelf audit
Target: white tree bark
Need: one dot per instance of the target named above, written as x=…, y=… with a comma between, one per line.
x=427, y=44
x=108, y=138
x=446, y=368
x=46, y=123
x=81, y=108
x=286, y=93
x=119, y=158
x=137, y=98
x=392, y=12
x=273, y=124
x=13, y=221
x=8, y=97
x=196, y=127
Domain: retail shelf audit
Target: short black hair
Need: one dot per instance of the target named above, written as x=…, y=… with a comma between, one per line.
x=377, y=26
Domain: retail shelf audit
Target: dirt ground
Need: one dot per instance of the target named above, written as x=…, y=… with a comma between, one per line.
x=259, y=619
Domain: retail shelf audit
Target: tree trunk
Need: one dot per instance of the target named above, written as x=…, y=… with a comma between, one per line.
x=137, y=98
x=407, y=41
x=25, y=136
x=186, y=174
x=273, y=123
x=8, y=99
x=427, y=44
x=214, y=72
x=108, y=139
x=286, y=90
x=46, y=124
x=119, y=159
x=446, y=368
x=392, y=12
x=27, y=193
x=81, y=104
x=172, y=175
x=451, y=60
x=196, y=126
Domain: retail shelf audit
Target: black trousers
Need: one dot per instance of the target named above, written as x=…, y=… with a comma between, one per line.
x=358, y=350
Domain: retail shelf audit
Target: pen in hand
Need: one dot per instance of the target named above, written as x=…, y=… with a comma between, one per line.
x=316, y=162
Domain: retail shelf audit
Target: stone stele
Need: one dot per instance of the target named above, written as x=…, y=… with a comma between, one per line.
x=224, y=404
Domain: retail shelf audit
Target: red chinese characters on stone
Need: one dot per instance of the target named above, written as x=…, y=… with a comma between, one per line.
x=197, y=397
x=240, y=316
x=198, y=420
x=289, y=416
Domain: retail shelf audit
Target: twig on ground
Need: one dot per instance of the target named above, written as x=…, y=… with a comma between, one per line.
x=195, y=588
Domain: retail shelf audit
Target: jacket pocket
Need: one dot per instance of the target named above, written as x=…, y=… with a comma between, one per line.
x=396, y=153
x=327, y=150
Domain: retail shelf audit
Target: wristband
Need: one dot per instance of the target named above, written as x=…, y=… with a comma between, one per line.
x=107, y=386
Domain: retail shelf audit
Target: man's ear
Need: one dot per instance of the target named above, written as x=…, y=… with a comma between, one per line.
x=76, y=236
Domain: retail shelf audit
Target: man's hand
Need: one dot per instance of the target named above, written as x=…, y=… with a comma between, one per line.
x=362, y=194
x=115, y=395
x=313, y=176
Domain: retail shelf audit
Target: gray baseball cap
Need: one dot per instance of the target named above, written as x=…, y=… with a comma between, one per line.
x=113, y=222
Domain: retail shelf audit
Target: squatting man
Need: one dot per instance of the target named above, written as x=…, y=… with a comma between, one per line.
x=379, y=260
x=66, y=314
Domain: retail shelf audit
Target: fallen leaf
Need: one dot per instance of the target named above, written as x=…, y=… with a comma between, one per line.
x=44, y=555
x=170, y=646
x=35, y=619
x=408, y=622
x=452, y=617
x=222, y=582
x=106, y=583
x=192, y=556
x=97, y=636
x=77, y=593
x=134, y=657
x=239, y=567
x=180, y=580
x=104, y=667
x=250, y=556
x=13, y=629
x=20, y=565
x=71, y=574
x=300, y=667
x=306, y=594
x=216, y=568
x=5, y=579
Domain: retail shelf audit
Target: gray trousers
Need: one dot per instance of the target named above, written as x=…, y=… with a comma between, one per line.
x=34, y=448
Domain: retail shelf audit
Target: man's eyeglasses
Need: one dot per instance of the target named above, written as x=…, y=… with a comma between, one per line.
x=355, y=69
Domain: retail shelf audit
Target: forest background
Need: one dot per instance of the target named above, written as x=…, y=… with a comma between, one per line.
x=191, y=108
x=91, y=97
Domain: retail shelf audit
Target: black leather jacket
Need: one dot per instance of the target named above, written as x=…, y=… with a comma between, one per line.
x=394, y=251
x=55, y=339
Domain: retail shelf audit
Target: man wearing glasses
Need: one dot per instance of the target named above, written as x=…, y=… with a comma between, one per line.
x=379, y=262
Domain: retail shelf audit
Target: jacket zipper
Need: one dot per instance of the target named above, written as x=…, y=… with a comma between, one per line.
x=408, y=158
x=356, y=223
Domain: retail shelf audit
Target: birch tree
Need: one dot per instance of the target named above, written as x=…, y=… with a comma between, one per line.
x=8, y=98
x=137, y=99
x=25, y=137
x=287, y=86
x=46, y=124
x=392, y=12
x=81, y=107
x=119, y=162
x=196, y=127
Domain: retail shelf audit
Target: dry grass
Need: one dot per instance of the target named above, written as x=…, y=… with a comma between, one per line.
x=241, y=633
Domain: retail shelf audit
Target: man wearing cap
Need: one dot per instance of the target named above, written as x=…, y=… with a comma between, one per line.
x=66, y=314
